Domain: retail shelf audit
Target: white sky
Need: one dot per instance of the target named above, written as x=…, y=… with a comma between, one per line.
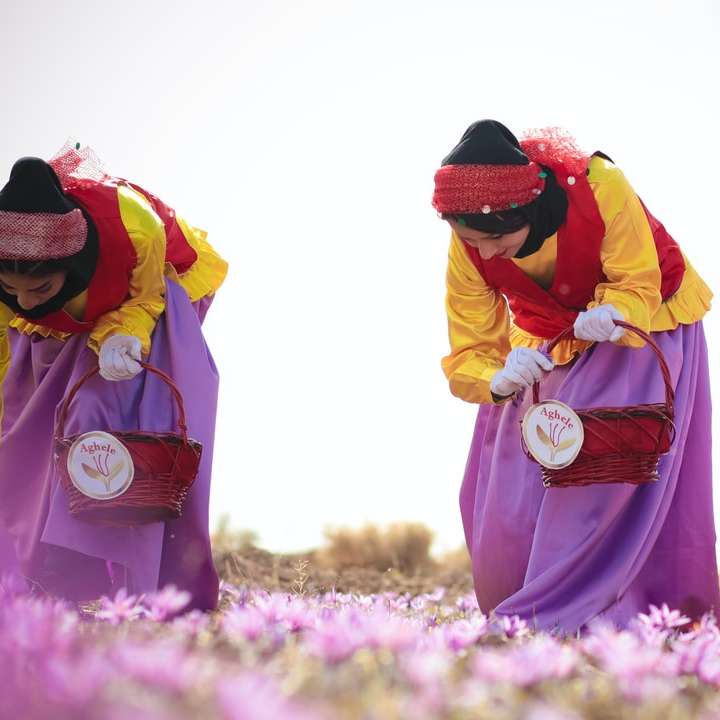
x=304, y=137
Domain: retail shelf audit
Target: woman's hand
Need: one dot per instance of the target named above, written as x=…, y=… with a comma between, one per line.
x=523, y=367
x=119, y=357
x=599, y=325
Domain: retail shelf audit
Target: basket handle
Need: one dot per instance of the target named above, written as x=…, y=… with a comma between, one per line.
x=60, y=430
x=669, y=392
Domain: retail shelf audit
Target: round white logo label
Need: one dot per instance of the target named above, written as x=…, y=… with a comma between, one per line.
x=100, y=466
x=553, y=433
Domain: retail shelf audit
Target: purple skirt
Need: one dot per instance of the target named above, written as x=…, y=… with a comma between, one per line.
x=38, y=538
x=560, y=557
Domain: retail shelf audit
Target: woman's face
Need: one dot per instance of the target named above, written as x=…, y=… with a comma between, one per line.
x=491, y=245
x=32, y=290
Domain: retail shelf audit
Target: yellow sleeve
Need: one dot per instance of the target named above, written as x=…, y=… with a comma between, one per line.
x=478, y=328
x=209, y=270
x=6, y=315
x=146, y=297
x=628, y=253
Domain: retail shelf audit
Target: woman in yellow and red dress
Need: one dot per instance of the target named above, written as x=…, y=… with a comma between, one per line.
x=545, y=237
x=94, y=270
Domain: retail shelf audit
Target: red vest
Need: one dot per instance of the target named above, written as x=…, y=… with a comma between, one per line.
x=110, y=283
x=578, y=269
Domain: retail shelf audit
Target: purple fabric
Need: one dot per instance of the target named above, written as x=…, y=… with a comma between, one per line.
x=72, y=558
x=562, y=556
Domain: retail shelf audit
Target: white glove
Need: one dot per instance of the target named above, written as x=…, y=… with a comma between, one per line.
x=523, y=367
x=118, y=357
x=598, y=324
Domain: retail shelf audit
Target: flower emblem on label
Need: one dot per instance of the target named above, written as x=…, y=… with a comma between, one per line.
x=100, y=466
x=553, y=433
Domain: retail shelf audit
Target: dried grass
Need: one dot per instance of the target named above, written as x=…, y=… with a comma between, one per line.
x=365, y=560
x=401, y=546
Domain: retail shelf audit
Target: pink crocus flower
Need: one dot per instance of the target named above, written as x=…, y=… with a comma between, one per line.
x=462, y=634
x=492, y=666
x=122, y=608
x=246, y=622
x=272, y=607
x=297, y=616
x=663, y=618
x=540, y=659
x=334, y=641
x=513, y=626
x=73, y=683
x=381, y=630
x=192, y=623
x=708, y=669
x=419, y=603
x=251, y=696
x=166, y=603
x=467, y=603
x=633, y=663
x=33, y=625
x=426, y=666
x=162, y=664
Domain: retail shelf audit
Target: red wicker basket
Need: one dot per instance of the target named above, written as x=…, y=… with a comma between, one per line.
x=621, y=445
x=165, y=467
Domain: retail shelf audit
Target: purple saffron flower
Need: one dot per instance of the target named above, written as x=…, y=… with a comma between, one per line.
x=462, y=634
x=709, y=667
x=513, y=626
x=634, y=664
x=121, y=608
x=297, y=616
x=419, y=603
x=251, y=696
x=273, y=607
x=382, y=630
x=663, y=618
x=492, y=666
x=163, y=664
x=192, y=623
x=77, y=682
x=334, y=641
x=166, y=603
x=247, y=622
x=467, y=603
x=228, y=591
x=30, y=625
x=541, y=658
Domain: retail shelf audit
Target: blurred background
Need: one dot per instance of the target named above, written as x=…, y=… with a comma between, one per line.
x=304, y=137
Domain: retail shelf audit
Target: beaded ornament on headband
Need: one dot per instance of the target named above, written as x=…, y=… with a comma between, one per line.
x=486, y=189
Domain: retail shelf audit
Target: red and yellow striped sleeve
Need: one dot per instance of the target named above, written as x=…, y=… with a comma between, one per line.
x=478, y=328
x=146, y=297
x=628, y=253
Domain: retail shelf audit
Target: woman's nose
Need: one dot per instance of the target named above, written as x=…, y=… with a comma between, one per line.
x=487, y=252
x=25, y=302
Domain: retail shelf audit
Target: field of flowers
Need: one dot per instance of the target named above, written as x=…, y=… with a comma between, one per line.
x=296, y=654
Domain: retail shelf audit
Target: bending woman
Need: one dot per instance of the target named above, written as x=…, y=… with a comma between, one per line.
x=95, y=270
x=545, y=237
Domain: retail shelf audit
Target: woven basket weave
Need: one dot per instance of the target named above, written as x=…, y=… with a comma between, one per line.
x=621, y=445
x=166, y=465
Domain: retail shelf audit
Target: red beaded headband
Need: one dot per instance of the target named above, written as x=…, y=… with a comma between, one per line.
x=41, y=236
x=473, y=189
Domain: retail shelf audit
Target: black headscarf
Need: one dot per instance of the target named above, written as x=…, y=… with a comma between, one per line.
x=489, y=142
x=34, y=187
